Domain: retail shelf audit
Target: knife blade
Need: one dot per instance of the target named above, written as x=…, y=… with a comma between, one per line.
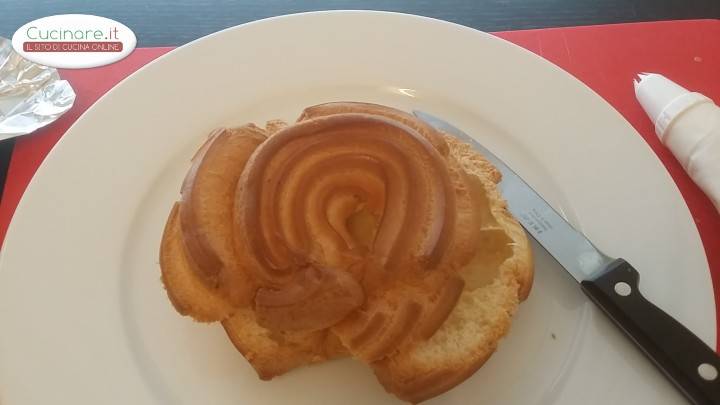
x=610, y=283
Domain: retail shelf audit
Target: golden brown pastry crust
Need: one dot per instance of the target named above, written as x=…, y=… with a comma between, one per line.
x=295, y=286
x=415, y=379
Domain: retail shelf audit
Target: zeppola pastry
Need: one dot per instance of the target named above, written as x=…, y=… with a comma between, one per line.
x=357, y=231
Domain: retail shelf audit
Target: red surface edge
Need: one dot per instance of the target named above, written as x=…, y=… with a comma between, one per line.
x=30, y=150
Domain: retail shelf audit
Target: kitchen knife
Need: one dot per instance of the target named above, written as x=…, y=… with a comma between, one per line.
x=611, y=283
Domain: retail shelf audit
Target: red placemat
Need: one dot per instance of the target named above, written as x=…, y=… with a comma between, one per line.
x=606, y=58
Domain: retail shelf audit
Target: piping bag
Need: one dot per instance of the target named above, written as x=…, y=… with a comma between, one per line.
x=688, y=123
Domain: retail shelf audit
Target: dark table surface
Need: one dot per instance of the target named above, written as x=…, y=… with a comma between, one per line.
x=175, y=22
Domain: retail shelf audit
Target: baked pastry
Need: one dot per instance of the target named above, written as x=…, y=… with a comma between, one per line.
x=359, y=230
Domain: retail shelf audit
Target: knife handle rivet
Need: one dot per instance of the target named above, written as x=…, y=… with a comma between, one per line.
x=623, y=289
x=707, y=372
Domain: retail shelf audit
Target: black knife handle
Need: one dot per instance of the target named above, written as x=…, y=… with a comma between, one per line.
x=685, y=359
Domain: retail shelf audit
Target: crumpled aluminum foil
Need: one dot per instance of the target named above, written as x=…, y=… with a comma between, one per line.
x=31, y=95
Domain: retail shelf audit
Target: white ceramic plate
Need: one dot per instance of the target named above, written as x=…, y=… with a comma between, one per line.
x=85, y=320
